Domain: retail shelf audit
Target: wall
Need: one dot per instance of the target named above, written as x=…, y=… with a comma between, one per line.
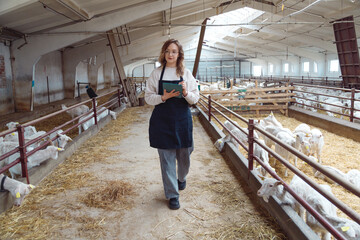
x=81, y=76
x=6, y=89
x=48, y=74
x=100, y=78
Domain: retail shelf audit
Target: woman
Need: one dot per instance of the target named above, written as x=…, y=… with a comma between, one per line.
x=170, y=129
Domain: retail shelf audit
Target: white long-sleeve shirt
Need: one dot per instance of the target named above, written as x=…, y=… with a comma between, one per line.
x=152, y=85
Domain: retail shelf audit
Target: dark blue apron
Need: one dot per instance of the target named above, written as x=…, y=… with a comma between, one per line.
x=171, y=122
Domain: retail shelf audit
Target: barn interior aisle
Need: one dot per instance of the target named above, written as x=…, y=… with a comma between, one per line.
x=111, y=188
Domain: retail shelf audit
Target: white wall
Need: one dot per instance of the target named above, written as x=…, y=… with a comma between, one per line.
x=100, y=78
x=81, y=76
x=48, y=75
x=6, y=91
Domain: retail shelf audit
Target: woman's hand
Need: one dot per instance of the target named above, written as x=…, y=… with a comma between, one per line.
x=183, y=84
x=166, y=95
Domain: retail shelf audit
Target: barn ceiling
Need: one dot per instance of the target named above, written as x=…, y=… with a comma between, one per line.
x=259, y=29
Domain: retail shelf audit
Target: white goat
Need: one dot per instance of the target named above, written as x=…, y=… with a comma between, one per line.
x=91, y=121
x=263, y=155
x=322, y=206
x=354, y=177
x=61, y=139
x=271, y=120
x=339, y=108
x=316, y=143
x=77, y=111
x=272, y=187
x=285, y=137
x=51, y=152
x=16, y=188
x=331, y=169
x=303, y=127
x=348, y=228
x=274, y=130
x=28, y=131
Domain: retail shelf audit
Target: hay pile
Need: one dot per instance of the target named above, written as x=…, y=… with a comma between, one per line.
x=339, y=152
x=53, y=207
x=111, y=195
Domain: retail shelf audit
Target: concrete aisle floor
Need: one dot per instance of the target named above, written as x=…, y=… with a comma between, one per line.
x=216, y=204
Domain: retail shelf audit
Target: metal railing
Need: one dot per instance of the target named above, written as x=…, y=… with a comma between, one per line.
x=311, y=103
x=207, y=104
x=21, y=148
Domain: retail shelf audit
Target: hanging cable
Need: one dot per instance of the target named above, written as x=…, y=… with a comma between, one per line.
x=169, y=34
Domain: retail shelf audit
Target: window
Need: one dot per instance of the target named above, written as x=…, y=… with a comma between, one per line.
x=334, y=65
x=306, y=66
x=315, y=67
x=271, y=68
x=257, y=71
x=286, y=67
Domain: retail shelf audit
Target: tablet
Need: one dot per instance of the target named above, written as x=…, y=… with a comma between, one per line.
x=171, y=86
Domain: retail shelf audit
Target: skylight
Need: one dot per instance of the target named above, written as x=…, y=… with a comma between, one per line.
x=239, y=16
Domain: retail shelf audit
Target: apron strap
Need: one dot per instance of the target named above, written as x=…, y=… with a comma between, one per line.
x=161, y=77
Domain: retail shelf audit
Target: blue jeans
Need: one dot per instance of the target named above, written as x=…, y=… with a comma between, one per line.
x=168, y=159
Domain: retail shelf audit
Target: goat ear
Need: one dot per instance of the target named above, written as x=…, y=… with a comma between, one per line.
x=30, y=186
x=51, y=143
x=70, y=139
x=277, y=183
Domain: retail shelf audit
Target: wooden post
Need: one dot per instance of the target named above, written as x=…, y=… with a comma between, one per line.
x=198, y=52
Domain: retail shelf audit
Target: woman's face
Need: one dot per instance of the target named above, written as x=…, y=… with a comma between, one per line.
x=171, y=55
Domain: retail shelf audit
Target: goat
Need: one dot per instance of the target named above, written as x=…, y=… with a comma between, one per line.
x=316, y=143
x=272, y=187
x=77, y=111
x=91, y=121
x=51, y=152
x=288, y=139
x=354, y=177
x=16, y=188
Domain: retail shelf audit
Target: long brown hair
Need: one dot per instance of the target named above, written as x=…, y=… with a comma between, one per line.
x=180, y=60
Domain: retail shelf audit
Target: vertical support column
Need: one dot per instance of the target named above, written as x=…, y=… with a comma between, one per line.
x=22, y=150
x=251, y=145
x=129, y=90
x=209, y=108
x=198, y=52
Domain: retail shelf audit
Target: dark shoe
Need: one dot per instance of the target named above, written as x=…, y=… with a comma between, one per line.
x=174, y=203
x=182, y=185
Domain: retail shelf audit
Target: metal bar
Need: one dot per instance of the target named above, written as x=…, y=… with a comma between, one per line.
x=209, y=104
x=94, y=109
x=251, y=145
x=22, y=150
x=352, y=105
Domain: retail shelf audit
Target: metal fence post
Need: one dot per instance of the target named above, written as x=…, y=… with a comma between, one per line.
x=251, y=145
x=22, y=150
x=209, y=106
x=94, y=108
x=118, y=93
x=352, y=104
